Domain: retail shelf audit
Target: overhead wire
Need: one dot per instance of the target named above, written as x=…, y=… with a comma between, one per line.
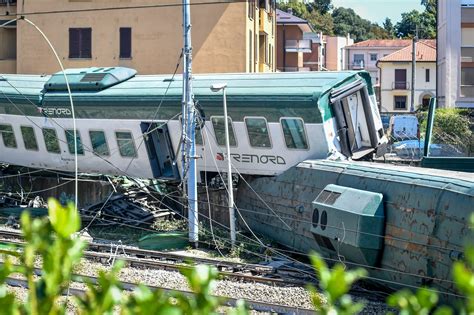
x=163, y=5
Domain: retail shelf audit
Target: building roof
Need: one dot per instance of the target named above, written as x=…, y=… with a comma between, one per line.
x=285, y=18
x=424, y=52
x=288, y=18
x=382, y=43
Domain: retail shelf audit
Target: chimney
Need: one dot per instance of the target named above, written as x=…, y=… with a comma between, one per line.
x=290, y=10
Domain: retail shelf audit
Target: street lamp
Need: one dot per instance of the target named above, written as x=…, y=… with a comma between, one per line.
x=216, y=88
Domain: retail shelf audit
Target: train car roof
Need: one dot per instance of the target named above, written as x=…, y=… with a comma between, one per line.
x=262, y=90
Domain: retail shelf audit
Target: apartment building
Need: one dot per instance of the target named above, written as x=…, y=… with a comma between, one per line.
x=396, y=78
x=142, y=34
x=364, y=55
x=300, y=48
x=455, y=53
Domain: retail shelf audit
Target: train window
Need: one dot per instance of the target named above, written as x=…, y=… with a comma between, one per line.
x=51, y=140
x=126, y=144
x=294, y=133
x=219, y=130
x=8, y=136
x=257, y=130
x=70, y=141
x=199, y=133
x=29, y=138
x=99, y=142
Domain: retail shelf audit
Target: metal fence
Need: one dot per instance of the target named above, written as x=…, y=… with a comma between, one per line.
x=452, y=136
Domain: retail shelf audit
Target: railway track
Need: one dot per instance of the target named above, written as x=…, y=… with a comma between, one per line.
x=128, y=286
x=136, y=257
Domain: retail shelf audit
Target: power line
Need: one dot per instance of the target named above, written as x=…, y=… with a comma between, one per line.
x=169, y=5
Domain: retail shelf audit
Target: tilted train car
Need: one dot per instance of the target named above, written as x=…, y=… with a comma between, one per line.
x=277, y=120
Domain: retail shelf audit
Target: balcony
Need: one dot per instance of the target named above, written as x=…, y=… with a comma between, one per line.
x=293, y=45
x=358, y=65
x=265, y=21
x=294, y=69
x=400, y=85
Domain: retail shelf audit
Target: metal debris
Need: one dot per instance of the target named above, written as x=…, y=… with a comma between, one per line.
x=133, y=208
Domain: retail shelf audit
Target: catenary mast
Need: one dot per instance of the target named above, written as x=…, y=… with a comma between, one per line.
x=189, y=128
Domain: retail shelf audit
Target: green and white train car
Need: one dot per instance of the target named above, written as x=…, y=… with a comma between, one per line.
x=277, y=120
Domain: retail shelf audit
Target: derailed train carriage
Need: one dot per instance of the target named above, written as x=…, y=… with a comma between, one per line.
x=290, y=135
x=276, y=120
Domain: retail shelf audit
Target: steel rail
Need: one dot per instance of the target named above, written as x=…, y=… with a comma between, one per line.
x=172, y=261
x=129, y=286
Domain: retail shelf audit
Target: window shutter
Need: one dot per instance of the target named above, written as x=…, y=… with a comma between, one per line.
x=86, y=41
x=125, y=42
x=73, y=43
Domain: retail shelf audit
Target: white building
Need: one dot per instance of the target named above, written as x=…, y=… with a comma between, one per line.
x=364, y=55
x=456, y=53
x=396, y=78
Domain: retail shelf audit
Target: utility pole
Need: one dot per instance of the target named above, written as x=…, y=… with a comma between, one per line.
x=413, y=71
x=189, y=157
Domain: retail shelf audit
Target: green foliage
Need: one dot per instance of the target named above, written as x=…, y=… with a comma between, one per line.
x=321, y=6
x=389, y=28
x=451, y=126
x=421, y=303
x=425, y=21
x=335, y=283
x=346, y=21
x=52, y=241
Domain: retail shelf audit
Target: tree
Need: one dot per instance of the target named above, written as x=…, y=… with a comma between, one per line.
x=388, y=26
x=299, y=9
x=321, y=22
x=322, y=6
x=346, y=21
x=426, y=22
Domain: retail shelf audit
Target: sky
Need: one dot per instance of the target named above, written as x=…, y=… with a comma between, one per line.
x=378, y=10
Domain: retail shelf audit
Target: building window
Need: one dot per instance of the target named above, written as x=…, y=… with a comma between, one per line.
x=70, y=141
x=219, y=130
x=358, y=61
x=80, y=42
x=427, y=75
x=51, y=140
x=294, y=133
x=250, y=51
x=400, y=79
x=257, y=130
x=400, y=102
x=99, y=142
x=126, y=144
x=467, y=53
x=251, y=12
x=8, y=136
x=125, y=42
x=29, y=138
x=373, y=57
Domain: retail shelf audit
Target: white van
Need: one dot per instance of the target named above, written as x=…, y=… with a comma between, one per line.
x=404, y=127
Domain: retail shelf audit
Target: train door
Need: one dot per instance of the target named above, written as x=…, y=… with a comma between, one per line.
x=160, y=151
x=354, y=120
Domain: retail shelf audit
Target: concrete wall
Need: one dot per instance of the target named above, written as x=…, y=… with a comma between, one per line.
x=450, y=18
x=290, y=59
x=422, y=88
x=220, y=36
x=336, y=59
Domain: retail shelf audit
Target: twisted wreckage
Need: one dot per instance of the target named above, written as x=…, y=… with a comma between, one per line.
x=296, y=137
